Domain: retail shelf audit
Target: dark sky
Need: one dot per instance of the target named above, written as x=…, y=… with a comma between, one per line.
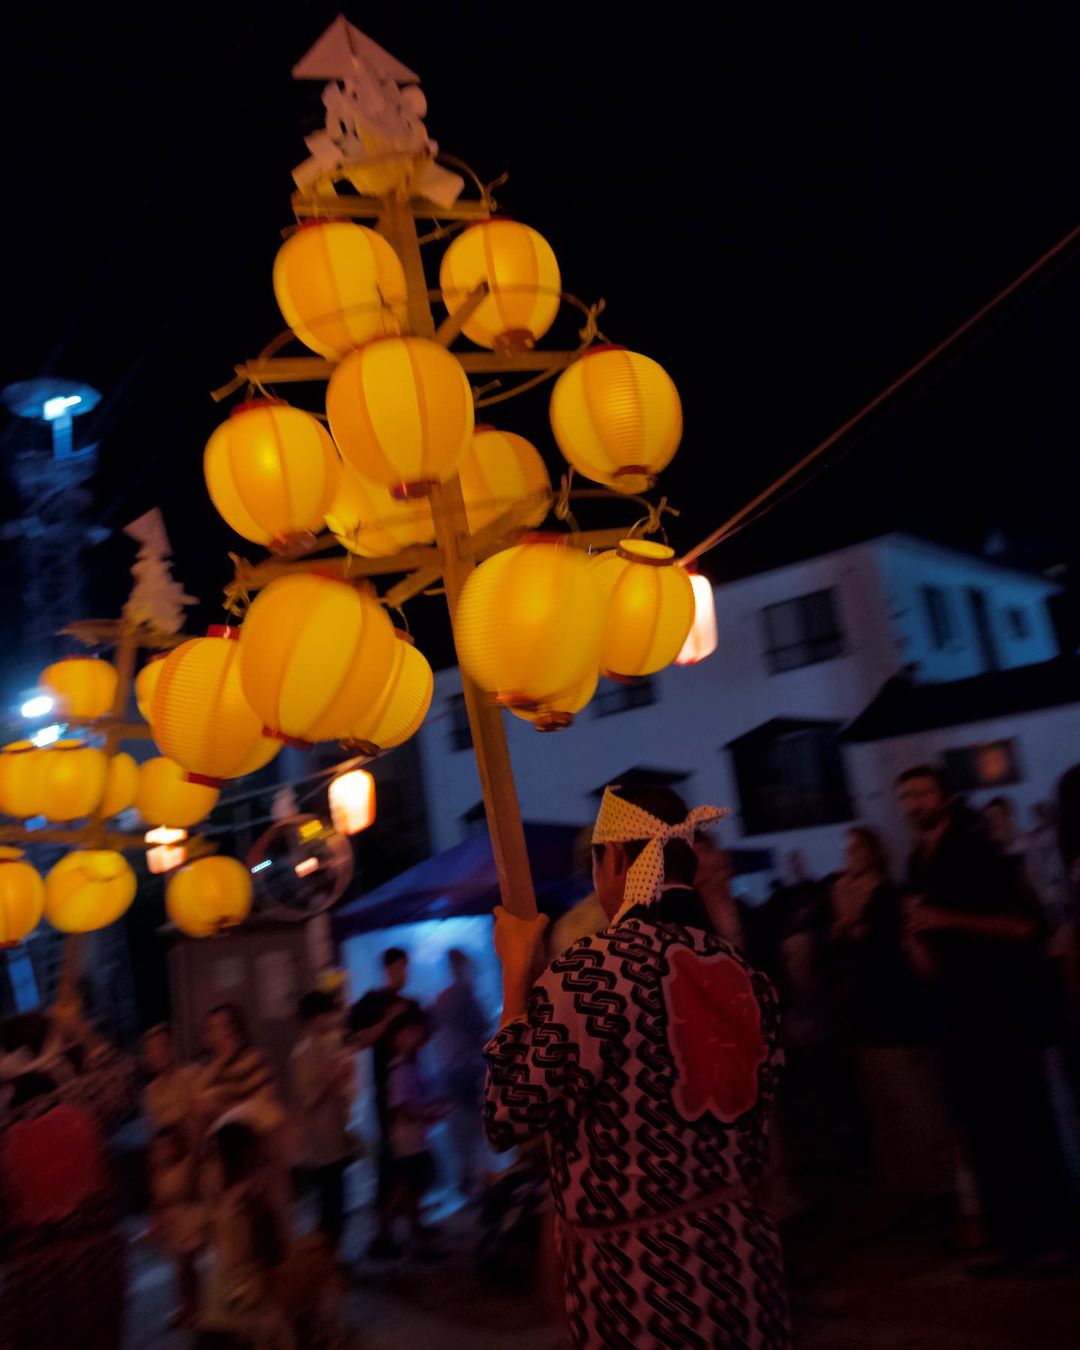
x=785, y=204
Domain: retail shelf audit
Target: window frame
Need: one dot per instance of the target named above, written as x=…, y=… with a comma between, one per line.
x=823, y=645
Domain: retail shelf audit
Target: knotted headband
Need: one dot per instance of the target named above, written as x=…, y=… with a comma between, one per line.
x=620, y=822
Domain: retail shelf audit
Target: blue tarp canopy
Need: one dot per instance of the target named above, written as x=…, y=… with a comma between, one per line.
x=462, y=881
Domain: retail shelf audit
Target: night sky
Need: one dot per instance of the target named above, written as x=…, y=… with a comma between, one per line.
x=785, y=208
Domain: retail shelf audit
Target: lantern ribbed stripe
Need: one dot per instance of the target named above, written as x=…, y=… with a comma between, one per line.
x=523, y=281
x=498, y=470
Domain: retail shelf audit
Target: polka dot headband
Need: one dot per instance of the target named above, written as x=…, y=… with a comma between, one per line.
x=621, y=822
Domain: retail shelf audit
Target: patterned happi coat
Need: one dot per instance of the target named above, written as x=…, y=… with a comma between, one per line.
x=648, y=1059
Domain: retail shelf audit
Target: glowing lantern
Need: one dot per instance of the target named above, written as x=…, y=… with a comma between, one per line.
x=702, y=639
x=87, y=890
x=22, y=767
x=199, y=715
x=166, y=797
x=367, y=520
x=401, y=411
x=73, y=780
x=498, y=470
x=522, y=275
x=271, y=472
x=529, y=622
x=121, y=781
x=338, y=285
x=648, y=608
x=617, y=417
x=83, y=686
x=165, y=849
x=22, y=898
x=145, y=682
x=352, y=801
x=209, y=895
x=400, y=709
x=559, y=711
x=314, y=654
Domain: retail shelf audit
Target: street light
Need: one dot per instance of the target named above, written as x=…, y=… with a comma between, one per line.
x=38, y=706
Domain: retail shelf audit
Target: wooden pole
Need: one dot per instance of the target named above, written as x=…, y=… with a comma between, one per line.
x=397, y=224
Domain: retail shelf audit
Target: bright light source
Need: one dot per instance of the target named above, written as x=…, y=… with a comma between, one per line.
x=47, y=735
x=53, y=408
x=165, y=857
x=37, y=706
x=262, y=866
x=702, y=638
x=164, y=835
x=306, y=866
x=352, y=801
x=309, y=829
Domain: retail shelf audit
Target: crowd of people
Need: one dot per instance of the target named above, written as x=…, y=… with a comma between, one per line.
x=675, y=1071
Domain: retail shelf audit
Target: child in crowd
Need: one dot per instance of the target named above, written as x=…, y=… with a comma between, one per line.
x=412, y=1111
x=178, y=1216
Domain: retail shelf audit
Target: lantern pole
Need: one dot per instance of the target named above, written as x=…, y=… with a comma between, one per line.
x=397, y=224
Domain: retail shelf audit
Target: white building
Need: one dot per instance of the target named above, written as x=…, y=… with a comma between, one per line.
x=804, y=649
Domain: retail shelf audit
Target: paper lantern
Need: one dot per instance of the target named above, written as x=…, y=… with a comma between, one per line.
x=367, y=520
x=199, y=715
x=352, y=801
x=315, y=653
x=500, y=469
x=165, y=796
x=88, y=890
x=702, y=638
x=271, y=472
x=73, y=780
x=401, y=411
x=399, y=711
x=558, y=711
x=83, y=686
x=22, y=898
x=22, y=766
x=617, y=417
x=523, y=279
x=121, y=781
x=209, y=896
x=145, y=682
x=165, y=849
x=648, y=608
x=529, y=622
x=338, y=285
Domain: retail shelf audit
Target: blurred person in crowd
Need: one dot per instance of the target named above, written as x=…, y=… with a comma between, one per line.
x=978, y=933
x=412, y=1108
x=649, y=1042
x=178, y=1216
x=322, y=1079
x=169, y=1098
x=887, y=1015
x=370, y=1020
x=463, y=1031
x=712, y=881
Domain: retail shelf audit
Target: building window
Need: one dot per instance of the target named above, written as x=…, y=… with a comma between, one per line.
x=802, y=631
x=615, y=697
x=790, y=776
x=938, y=616
x=460, y=731
x=993, y=764
x=1019, y=624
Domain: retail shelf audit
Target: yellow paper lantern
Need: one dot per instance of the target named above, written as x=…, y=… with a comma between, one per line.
x=22, y=898
x=73, y=780
x=559, y=711
x=165, y=797
x=145, y=682
x=401, y=411
x=271, y=472
x=88, y=890
x=529, y=622
x=199, y=715
x=120, y=784
x=314, y=654
x=209, y=896
x=702, y=639
x=22, y=767
x=338, y=285
x=648, y=608
x=352, y=801
x=367, y=520
x=500, y=469
x=83, y=686
x=617, y=417
x=523, y=279
x=399, y=711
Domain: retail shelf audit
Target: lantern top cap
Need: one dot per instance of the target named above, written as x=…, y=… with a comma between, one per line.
x=402, y=636
x=10, y=855
x=254, y=404
x=19, y=747
x=603, y=347
x=224, y=630
x=646, y=551
x=549, y=537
